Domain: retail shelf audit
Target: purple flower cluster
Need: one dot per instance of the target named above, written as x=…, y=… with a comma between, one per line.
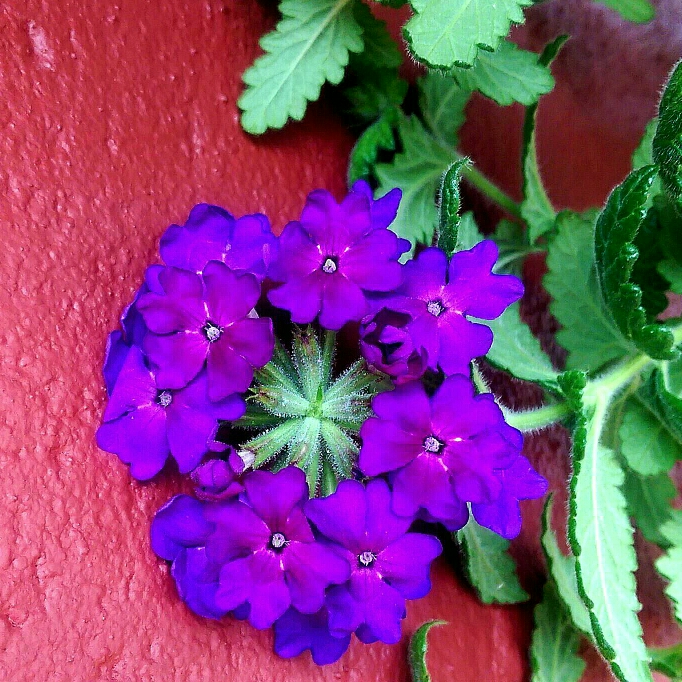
x=258, y=544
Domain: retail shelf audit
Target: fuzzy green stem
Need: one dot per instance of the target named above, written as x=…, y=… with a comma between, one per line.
x=492, y=191
x=533, y=420
x=611, y=382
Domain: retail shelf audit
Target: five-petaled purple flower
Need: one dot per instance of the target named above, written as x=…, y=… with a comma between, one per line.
x=388, y=564
x=446, y=451
x=144, y=423
x=336, y=254
x=268, y=554
x=437, y=297
x=205, y=319
x=211, y=233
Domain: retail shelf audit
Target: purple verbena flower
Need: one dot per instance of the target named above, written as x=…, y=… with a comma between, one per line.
x=382, y=210
x=144, y=424
x=179, y=533
x=330, y=259
x=388, y=564
x=446, y=451
x=438, y=297
x=211, y=233
x=295, y=632
x=206, y=319
x=269, y=556
x=388, y=347
x=217, y=479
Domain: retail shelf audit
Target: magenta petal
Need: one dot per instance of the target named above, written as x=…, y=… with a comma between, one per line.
x=298, y=254
x=253, y=339
x=408, y=406
x=238, y=531
x=235, y=584
x=405, y=564
x=301, y=297
x=229, y=296
x=135, y=386
x=177, y=358
x=501, y=516
x=383, y=525
x=180, y=523
x=369, y=262
x=460, y=341
x=342, y=301
x=341, y=516
x=475, y=288
x=385, y=209
x=228, y=372
x=273, y=496
x=269, y=595
x=310, y=569
x=425, y=275
x=385, y=447
x=139, y=439
x=114, y=357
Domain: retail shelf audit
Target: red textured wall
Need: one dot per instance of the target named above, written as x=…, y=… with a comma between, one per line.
x=115, y=118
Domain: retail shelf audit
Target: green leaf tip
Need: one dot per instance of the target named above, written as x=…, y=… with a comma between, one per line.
x=448, y=221
x=447, y=33
x=418, y=649
x=667, y=143
x=310, y=45
x=488, y=565
x=637, y=11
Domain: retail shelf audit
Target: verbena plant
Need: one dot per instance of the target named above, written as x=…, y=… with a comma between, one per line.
x=620, y=391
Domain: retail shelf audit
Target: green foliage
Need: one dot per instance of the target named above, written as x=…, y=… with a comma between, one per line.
x=601, y=538
x=418, y=649
x=536, y=208
x=373, y=83
x=667, y=144
x=662, y=402
x=442, y=102
x=562, y=572
x=554, y=647
x=507, y=75
x=646, y=443
x=644, y=154
x=417, y=171
x=668, y=661
x=310, y=45
x=638, y=11
x=616, y=254
x=649, y=499
x=447, y=33
x=517, y=351
x=588, y=333
x=489, y=568
x=378, y=136
x=670, y=567
x=448, y=218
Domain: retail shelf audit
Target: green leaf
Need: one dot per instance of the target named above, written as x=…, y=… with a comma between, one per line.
x=309, y=46
x=588, y=333
x=638, y=11
x=442, y=102
x=448, y=220
x=649, y=499
x=644, y=154
x=417, y=171
x=670, y=567
x=667, y=144
x=563, y=573
x=447, y=33
x=468, y=234
x=601, y=538
x=376, y=137
x=373, y=84
x=668, y=661
x=662, y=403
x=507, y=75
x=418, y=649
x=645, y=442
x=536, y=208
x=672, y=271
x=616, y=254
x=554, y=647
x=671, y=530
x=489, y=568
x=517, y=351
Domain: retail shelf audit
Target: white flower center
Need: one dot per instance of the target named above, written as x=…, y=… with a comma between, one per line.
x=432, y=444
x=435, y=308
x=212, y=332
x=367, y=558
x=164, y=398
x=329, y=266
x=277, y=541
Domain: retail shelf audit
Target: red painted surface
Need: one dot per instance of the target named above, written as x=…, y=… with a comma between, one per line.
x=115, y=118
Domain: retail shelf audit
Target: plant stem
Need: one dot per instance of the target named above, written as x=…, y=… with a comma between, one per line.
x=532, y=420
x=611, y=382
x=492, y=191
